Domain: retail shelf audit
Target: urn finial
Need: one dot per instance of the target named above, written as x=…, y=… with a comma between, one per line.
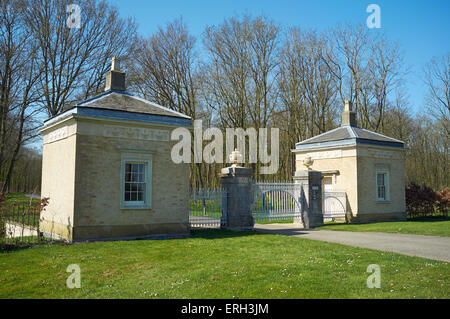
x=235, y=157
x=308, y=161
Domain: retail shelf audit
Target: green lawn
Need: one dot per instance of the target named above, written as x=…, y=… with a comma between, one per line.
x=438, y=226
x=218, y=264
x=19, y=198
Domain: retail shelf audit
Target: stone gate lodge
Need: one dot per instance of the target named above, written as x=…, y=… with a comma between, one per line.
x=108, y=172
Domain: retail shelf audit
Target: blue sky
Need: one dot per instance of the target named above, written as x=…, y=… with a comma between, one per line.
x=421, y=27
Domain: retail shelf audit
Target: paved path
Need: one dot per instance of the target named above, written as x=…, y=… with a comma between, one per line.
x=432, y=247
x=15, y=230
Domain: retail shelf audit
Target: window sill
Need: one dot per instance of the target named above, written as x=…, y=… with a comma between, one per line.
x=379, y=201
x=135, y=207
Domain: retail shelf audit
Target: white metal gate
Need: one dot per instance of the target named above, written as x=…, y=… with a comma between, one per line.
x=277, y=202
x=206, y=206
x=334, y=205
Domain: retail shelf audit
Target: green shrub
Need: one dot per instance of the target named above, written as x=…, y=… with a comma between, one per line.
x=424, y=201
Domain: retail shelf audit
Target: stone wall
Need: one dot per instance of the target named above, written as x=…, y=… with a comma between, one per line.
x=357, y=177
x=58, y=179
x=96, y=189
x=343, y=160
x=369, y=159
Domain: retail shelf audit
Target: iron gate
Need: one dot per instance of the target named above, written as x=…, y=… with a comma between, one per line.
x=277, y=202
x=206, y=206
x=334, y=205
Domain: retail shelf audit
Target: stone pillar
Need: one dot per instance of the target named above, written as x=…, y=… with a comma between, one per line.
x=238, y=182
x=310, y=197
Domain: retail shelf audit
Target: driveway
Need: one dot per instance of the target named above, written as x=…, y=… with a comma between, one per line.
x=432, y=247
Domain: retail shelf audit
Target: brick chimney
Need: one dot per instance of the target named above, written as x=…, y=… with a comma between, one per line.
x=115, y=79
x=348, y=116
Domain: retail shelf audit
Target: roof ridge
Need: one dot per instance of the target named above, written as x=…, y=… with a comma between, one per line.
x=160, y=106
x=351, y=131
x=131, y=95
x=382, y=135
x=91, y=99
x=316, y=136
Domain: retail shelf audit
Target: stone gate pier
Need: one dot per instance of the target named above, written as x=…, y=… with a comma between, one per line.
x=300, y=201
x=238, y=183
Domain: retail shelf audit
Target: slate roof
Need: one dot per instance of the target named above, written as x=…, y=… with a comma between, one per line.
x=347, y=135
x=122, y=105
x=124, y=101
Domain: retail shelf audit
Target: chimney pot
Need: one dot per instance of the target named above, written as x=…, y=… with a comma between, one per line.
x=115, y=64
x=348, y=116
x=115, y=79
x=348, y=105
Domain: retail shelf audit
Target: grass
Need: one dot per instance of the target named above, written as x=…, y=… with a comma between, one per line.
x=218, y=264
x=433, y=226
x=19, y=198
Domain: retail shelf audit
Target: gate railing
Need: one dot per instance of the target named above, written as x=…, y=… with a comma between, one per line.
x=206, y=206
x=19, y=223
x=334, y=205
x=276, y=202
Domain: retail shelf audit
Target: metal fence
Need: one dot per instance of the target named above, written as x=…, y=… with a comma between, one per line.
x=276, y=202
x=19, y=223
x=206, y=207
x=334, y=205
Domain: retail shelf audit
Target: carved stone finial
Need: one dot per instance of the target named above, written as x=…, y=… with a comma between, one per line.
x=235, y=157
x=308, y=161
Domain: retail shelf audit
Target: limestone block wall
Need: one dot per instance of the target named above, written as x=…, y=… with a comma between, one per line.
x=392, y=160
x=357, y=177
x=343, y=160
x=58, y=179
x=97, y=191
x=81, y=173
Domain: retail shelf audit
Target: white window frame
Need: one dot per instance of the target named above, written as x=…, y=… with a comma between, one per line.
x=147, y=160
x=386, y=185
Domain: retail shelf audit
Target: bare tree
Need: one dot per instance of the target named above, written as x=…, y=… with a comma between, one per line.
x=164, y=68
x=74, y=59
x=368, y=68
x=437, y=79
x=307, y=89
x=19, y=74
x=227, y=85
x=239, y=76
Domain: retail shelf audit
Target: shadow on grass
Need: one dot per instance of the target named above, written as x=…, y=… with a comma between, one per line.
x=414, y=219
x=220, y=233
x=428, y=219
x=10, y=247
